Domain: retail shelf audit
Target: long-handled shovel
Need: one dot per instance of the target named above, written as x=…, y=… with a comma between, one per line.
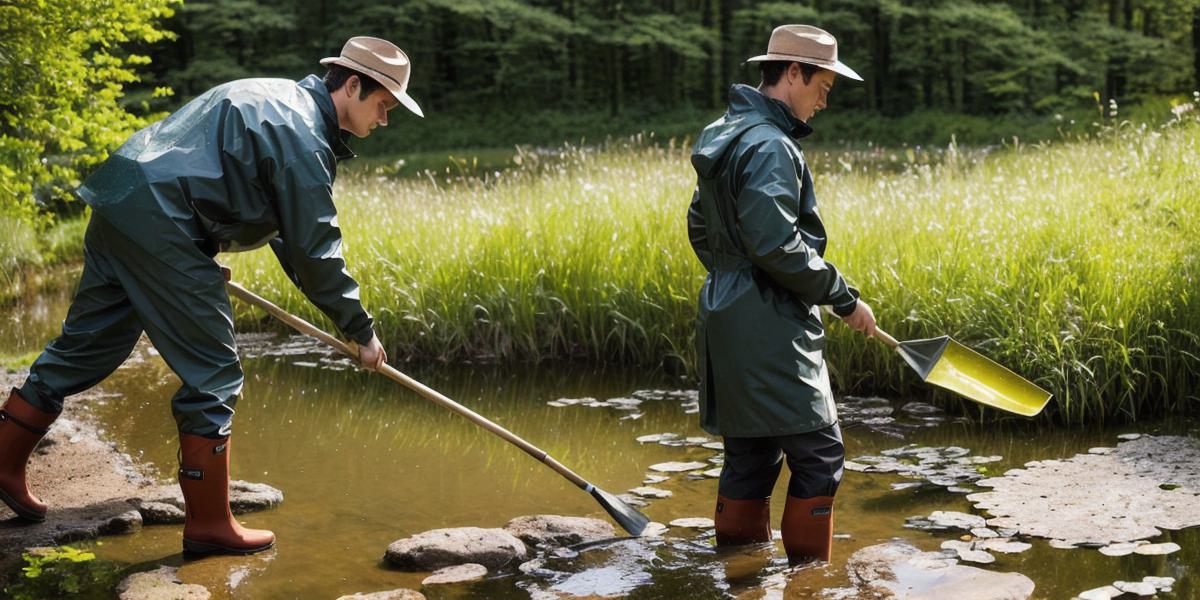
x=626, y=516
x=955, y=367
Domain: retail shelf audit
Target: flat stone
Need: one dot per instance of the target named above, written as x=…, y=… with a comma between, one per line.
x=159, y=584
x=656, y=438
x=456, y=574
x=896, y=569
x=1121, y=548
x=555, y=530
x=400, y=594
x=984, y=532
x=650, y=492
x=1145, y=485
x=653, y=479
x=431, y=550
x=1157, y=549
x=713, y=473
x=1002, y=545
x=1129, y=436
x=1161, y=583
x=654, y=529
x=677, y=467
x=1101, y=593
x=244, y=496
x=959, y=520
x=1140, y=588
x=693, y=523
x=718, y=446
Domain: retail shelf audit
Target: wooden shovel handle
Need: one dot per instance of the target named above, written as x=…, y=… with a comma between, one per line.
x=392, y=373
x=883, y=336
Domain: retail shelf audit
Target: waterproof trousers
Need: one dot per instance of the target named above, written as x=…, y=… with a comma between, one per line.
x=165, y=285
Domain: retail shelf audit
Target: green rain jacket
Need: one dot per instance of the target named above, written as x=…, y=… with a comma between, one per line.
x=753, y=222
x=247, y=163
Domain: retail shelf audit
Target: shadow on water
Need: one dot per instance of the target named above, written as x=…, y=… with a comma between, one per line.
x=363, y=462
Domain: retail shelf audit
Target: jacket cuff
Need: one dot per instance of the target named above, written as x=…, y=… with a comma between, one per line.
x=845, y=304
x=362, y=338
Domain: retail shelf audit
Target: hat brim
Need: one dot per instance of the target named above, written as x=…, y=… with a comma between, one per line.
x=382, y=78
x=836, y=66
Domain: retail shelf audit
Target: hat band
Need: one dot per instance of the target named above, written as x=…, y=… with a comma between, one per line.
x=401, y=85
x=802, y=57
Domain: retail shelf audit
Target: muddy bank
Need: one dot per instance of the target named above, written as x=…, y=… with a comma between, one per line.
x=87, y=483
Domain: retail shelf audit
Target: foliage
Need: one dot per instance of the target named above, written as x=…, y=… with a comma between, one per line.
x=1074, y=270
x=63, y=572
x=64, y=66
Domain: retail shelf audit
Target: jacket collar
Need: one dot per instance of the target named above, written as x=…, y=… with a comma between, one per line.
x=333, y=134
x=747, y=99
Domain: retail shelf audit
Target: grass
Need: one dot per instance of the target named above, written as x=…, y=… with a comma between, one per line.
x=26, y=251
x=1073, y=263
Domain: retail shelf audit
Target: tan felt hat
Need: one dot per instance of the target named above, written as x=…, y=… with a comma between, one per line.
x=806, y=44
x=382, y=61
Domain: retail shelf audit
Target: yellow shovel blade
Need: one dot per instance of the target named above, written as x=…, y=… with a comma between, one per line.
x=955, y=367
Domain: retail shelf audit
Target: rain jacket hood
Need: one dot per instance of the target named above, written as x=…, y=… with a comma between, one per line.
x=247, y=163
x=753, y=223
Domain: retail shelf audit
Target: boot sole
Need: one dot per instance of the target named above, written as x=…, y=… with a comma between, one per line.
x=21, y=510
x=204, y=548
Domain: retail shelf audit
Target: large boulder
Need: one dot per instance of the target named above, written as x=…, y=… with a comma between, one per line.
x=555, y=530
x=899, y=570
x=432, y=550
x=157, y=503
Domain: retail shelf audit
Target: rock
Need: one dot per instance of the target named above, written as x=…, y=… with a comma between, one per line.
x=898, y=569
x=160, y=513
x=650, y=492
x=1122, y=548
x=1100, y=593
x=1143, y=486
x=653, y=479
x=431, y=550
x=400, y=594
x=1129, y=436
x=244, y=496
x=656, y=438
x=1140, y=588
x=654, y=529
x=958, y=520
x=159, y=584
x=984, y=532
x=677, y=467
x=1157, y=549
x=555, y=530
x=126, y=522
x=1161, y=583
x=1002, y=545
x=693, y=523
x=456, y=574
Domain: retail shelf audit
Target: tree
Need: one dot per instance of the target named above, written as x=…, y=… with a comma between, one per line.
x=63, y=72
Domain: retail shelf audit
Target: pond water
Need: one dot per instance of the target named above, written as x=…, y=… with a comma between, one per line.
x=363, y=462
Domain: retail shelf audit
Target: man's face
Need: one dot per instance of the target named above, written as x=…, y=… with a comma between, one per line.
x=362, y=116
x=809, y=98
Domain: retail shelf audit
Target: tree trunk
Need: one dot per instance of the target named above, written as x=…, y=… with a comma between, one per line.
x=727, y=47
x=1196, y=44
x=711, y=89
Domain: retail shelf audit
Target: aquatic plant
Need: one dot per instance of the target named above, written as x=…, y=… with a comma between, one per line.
x=1073, y=263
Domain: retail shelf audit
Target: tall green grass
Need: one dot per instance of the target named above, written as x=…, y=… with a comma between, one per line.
x=1073, y=263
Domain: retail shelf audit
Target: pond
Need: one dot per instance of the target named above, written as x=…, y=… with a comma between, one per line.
x=363, y=462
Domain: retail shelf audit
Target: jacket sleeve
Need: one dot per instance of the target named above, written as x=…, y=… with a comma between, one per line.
x=698, y=233
x=767, y=202
x=309, y=247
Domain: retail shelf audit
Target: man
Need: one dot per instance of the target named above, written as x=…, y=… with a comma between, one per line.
x=247, y=163
x=753, y=222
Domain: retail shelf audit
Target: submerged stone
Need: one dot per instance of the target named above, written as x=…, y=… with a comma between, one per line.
x=693, y=523
x=677, y=467
x=1145, y=485
x=400, y=594
x=160, y=584
x=896, y=569
x=650, y=492
x=1157, y=549
x=456, y=574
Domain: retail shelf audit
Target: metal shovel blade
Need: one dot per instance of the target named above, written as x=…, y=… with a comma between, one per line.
x=955, y=367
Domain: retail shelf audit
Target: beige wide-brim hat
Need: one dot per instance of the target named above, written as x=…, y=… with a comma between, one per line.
x=382, y=61
x=805, y=44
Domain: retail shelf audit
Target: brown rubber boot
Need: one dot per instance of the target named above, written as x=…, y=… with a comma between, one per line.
x=209, y=527
x=21, y=427
x=743, y=521
x=808, y=529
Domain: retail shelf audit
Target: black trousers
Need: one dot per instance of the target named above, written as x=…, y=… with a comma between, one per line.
x=752, y=465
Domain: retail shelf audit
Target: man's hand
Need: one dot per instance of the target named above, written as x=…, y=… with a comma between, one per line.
x=372, y=357
x=862, y=319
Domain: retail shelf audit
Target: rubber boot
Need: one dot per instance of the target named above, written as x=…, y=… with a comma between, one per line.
x=743, y=521
x=21, y=427
x=209, y=526
x=808, y=529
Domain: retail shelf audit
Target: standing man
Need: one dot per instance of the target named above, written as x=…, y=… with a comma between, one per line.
x=247, y=163
x=753, y=222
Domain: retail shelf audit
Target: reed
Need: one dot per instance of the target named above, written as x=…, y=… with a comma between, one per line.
x=1073, y=263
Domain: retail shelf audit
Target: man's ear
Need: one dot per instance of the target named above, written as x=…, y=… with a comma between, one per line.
x=352, y=84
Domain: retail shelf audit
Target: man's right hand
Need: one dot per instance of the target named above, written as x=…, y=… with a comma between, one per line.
x=862, y=319
x=372, y=356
